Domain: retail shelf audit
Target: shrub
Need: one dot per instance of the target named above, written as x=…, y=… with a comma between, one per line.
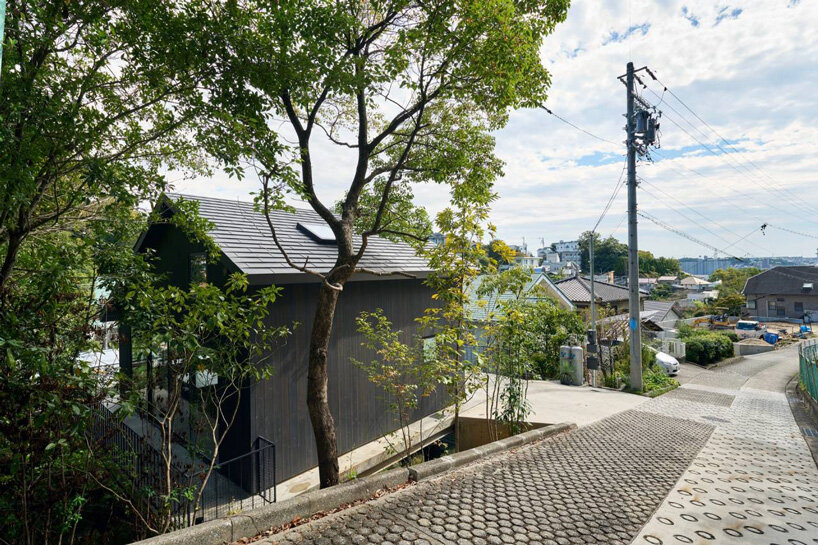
x=656, y=379
x=708, y=347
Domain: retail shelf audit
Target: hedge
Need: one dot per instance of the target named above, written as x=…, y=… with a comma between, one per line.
x=708, y=348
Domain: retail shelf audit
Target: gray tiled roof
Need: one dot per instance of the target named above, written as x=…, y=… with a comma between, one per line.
x=783, y=281
x=578, y=290
x=244, y=237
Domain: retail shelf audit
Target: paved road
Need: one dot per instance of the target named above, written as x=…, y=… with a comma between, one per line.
x=719, y=460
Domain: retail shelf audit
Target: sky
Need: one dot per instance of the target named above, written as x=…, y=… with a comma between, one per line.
x=739, y=151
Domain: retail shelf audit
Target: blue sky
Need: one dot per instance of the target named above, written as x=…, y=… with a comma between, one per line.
x=747, y=68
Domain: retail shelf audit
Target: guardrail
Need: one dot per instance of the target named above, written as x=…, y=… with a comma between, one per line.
x=808, y=361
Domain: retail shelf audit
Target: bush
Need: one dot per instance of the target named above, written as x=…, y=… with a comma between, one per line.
x=708, y=347
x=656, y=379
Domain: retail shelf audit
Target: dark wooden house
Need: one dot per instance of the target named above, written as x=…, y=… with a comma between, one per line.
x=276, y=409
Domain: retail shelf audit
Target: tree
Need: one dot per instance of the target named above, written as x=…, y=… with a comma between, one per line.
x=732, y=279
x=609, y=254
x=657, y=266
x=411, y=90
x=455, y=264
x=401, y=369
x=731, y=291
x=89, y=113
x=522, y=337
x=661, y=292
x=213, y=335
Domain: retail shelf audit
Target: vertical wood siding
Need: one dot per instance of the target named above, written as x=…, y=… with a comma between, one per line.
x=279, y=405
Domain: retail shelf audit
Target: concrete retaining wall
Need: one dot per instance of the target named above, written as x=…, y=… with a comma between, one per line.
x=740, y=349
x=251, y=523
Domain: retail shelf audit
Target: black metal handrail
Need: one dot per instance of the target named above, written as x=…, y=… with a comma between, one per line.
x=243, y=482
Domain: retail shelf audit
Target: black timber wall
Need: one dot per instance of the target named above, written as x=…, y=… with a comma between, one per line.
x=277, y=408
x=279, y=405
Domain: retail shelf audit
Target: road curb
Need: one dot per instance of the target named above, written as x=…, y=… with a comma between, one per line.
x=256, y=521
x=253, y=522
x=433, y=468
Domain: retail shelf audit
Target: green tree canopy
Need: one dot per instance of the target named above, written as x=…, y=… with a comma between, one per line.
x=410, y=90
x=609, y=254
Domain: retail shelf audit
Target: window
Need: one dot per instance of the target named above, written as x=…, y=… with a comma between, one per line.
x=429, y=348
x=198, y=268
x=799, y=307
x=751, y=304
x=777, y=308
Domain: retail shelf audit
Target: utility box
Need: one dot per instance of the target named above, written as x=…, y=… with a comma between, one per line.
x=579, y=371
x=571, y=369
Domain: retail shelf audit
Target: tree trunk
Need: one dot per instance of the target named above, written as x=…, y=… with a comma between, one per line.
x=323, y=426
x=12, y=249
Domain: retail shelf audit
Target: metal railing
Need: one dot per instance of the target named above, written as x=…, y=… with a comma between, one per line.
x=808, y=363
x=241, y=483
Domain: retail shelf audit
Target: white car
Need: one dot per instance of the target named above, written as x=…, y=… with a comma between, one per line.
x=668, y=363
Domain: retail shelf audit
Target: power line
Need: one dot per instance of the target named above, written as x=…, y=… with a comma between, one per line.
x=688, y=218
x=789, y=230
x=706, y=124
x=592, y=135
x=725, y=156
x=685, y=235
x=618, y=186
x=714, y=222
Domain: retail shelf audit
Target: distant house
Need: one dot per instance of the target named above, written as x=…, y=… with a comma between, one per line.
x=668, y=279
x=568, y=251
x=481, y=308
x=695, y=283
x=578, y=290
x=527, y=261
x=662, y=312
x=276, y=408
x=647, y=284
x=783, y=292
x=569, y=269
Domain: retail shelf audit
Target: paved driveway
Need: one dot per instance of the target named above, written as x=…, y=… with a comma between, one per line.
x=719, y=460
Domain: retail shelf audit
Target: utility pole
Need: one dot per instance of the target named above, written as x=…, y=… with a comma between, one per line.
x=593, y=346
x=634, y=323
x=593, y=299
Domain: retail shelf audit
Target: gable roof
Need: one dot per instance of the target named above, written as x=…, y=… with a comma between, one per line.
x=244, y=237
x=578, y=290
x=783, y=281
x=660, y=309
x=478, y=308
x=694, y=281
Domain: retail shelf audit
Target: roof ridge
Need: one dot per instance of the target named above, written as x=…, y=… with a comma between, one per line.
x=190, y=196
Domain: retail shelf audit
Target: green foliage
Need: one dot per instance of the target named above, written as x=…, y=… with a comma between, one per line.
x=657, y=266
x=522, y=337
x=703, y=346
x=609, y=254
x=47, y=312
x=661, y=292
x=732, y=279
x=402, y=370
x=94, y=99
x=655, y=379
x=203, y=331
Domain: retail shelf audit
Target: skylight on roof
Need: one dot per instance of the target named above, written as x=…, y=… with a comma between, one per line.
x=317, y=231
